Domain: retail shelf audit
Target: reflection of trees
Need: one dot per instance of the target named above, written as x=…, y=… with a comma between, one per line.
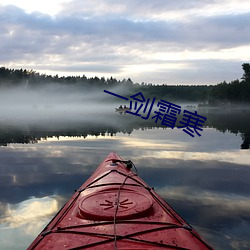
x=246, y=143
x=236, y=122
x=8, y=137
x=246, y=139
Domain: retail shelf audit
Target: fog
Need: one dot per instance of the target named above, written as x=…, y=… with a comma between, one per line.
x=53, y=103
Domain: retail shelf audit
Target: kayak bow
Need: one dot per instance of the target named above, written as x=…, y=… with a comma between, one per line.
x=116, y=209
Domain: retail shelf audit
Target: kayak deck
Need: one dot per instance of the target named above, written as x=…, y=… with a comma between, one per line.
x=116, y=209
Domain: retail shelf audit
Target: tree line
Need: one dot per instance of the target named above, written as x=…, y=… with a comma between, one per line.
x=236, y=91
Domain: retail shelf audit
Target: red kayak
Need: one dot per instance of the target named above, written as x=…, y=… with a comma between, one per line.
x=116, y=209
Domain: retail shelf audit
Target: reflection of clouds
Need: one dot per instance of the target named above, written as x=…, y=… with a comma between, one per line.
x=155, y=143
x=228, y=203
x=22, y=222
x=46, y=158
x=156, y=139
x=147, y=144
x=226, y=240
x=234, y=156
x=29, y=212
x=222, y=219
x=208, y=182
x=2, y=209
x=176, y=140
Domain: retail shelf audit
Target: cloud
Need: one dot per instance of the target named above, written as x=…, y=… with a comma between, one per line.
x=118, y=30
x=115, y=38
x=147, y=9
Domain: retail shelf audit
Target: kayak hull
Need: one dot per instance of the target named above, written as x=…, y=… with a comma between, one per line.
x=116, y=209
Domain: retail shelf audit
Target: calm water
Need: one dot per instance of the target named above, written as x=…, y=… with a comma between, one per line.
x=206, y=179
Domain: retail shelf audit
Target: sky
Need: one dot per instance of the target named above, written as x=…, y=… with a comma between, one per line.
x=151, y=41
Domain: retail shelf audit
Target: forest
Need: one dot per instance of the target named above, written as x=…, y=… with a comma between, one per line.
x=224, y=93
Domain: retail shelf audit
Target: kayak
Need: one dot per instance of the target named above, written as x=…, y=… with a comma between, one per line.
x=116, y=209
x=122, y=109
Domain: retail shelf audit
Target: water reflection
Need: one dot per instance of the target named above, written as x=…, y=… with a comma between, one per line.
x=20, y=222
x=108, y=123
x=206, y=179
x=31, y=210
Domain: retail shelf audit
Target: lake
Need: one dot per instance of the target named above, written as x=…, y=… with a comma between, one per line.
x=205, y=179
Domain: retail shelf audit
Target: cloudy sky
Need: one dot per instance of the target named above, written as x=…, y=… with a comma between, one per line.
x=157, y=41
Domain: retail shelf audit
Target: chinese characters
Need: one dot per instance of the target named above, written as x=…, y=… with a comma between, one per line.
x=167, y=113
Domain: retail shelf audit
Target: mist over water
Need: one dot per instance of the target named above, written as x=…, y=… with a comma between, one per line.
x=53, y=103
x=198, y=176
x=60, y=110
